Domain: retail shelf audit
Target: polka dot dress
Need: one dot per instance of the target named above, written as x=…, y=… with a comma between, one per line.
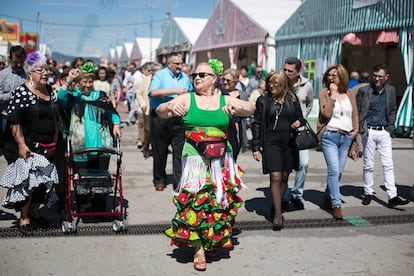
x=22, y=177
x=23, y=98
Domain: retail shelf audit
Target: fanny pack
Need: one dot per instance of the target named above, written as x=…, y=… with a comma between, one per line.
x=211, y=147
x=45, y=149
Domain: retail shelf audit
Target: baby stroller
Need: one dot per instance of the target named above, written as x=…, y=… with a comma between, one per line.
x=88, y=190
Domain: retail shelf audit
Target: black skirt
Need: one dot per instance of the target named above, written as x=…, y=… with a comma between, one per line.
x=276, y=158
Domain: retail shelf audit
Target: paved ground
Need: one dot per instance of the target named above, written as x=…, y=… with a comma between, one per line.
x=321, y=249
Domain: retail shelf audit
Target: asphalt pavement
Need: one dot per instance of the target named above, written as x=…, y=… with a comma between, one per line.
x=372, y=240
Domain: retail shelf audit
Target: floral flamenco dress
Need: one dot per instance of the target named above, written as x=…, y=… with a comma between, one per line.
x=206, y=199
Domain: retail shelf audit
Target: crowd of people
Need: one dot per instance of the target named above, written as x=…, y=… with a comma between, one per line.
x=202, y=116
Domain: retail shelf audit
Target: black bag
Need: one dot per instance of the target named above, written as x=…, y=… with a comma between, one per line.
x=304, y=138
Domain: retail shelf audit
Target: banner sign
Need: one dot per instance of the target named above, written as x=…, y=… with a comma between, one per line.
x=9, y=31
x=29, y=41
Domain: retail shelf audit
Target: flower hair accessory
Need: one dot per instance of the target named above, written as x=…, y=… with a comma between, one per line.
x=87, y=68
x=216, y=65
x=32, y=58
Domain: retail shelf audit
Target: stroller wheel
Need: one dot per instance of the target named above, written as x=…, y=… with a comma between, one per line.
x=69, y=227
x=118, y=226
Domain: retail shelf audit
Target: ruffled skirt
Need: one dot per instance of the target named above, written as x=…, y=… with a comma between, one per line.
x=206, y=202
x=22, y=178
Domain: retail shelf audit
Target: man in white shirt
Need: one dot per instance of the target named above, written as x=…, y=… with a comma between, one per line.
x=304, y=91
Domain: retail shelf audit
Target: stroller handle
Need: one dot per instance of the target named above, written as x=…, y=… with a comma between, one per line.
x=101, y=150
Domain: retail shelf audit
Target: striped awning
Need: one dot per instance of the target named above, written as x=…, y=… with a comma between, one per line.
x=372, y=38
x=339, y=17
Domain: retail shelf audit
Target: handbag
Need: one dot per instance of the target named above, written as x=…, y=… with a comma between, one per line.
x=353, y=151
x=304, y=138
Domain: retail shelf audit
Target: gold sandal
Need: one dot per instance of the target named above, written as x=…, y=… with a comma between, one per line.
x=199, y=261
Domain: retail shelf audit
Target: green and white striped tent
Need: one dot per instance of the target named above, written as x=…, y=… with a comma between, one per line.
x=315, y=32
x=405, y=113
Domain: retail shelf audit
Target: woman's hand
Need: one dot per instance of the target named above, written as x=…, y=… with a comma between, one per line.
x=73, y=73
x=333, y=91
x=117, y=130
x=229, y=109
x=257, y=155
x=295, y=124
x=354, y=133
x=177, y=109
x=24, y=151
x=144, y=108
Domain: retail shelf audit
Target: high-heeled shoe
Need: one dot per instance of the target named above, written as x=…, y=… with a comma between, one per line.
x=26, y=229
x=277, y=226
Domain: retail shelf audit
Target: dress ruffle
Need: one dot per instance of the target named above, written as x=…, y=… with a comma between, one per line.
x=23, y=177
x=207, y=202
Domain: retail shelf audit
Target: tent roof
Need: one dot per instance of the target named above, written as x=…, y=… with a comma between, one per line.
x=181, y=34
x=112, y=54
x=244, y=22
x=128, y=48
x=117, y=53
x=124, y=52
x=144, y=49
x=269, y=14
x=191, y=27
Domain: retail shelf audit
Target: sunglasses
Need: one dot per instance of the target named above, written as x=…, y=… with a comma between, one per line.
x=227, y=80
x=201, y=75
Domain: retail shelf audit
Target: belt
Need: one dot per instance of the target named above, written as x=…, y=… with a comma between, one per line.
x=340, y=131
x=376, y=127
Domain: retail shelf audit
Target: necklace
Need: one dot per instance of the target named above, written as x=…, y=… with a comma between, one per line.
x=279, y=108
x=340, y=106
x=207, y=103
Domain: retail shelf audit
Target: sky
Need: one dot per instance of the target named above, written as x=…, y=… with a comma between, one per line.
x=91, y=27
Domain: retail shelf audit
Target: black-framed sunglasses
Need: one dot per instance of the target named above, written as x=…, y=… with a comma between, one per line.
x=202, y=75
x=227, y=80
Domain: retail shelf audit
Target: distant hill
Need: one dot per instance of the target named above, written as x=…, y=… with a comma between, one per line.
x=62, y=58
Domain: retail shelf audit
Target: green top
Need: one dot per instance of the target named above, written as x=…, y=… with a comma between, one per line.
x=196, y=117
x=209, y=122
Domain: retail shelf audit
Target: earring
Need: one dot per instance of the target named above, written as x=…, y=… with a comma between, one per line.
x=31, y=82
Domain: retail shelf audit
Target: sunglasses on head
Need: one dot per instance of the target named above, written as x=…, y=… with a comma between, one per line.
x=202, y=75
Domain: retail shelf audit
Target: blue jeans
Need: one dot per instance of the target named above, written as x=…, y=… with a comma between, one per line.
x=130, y=97
x=297, y=190
x=335, y=148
